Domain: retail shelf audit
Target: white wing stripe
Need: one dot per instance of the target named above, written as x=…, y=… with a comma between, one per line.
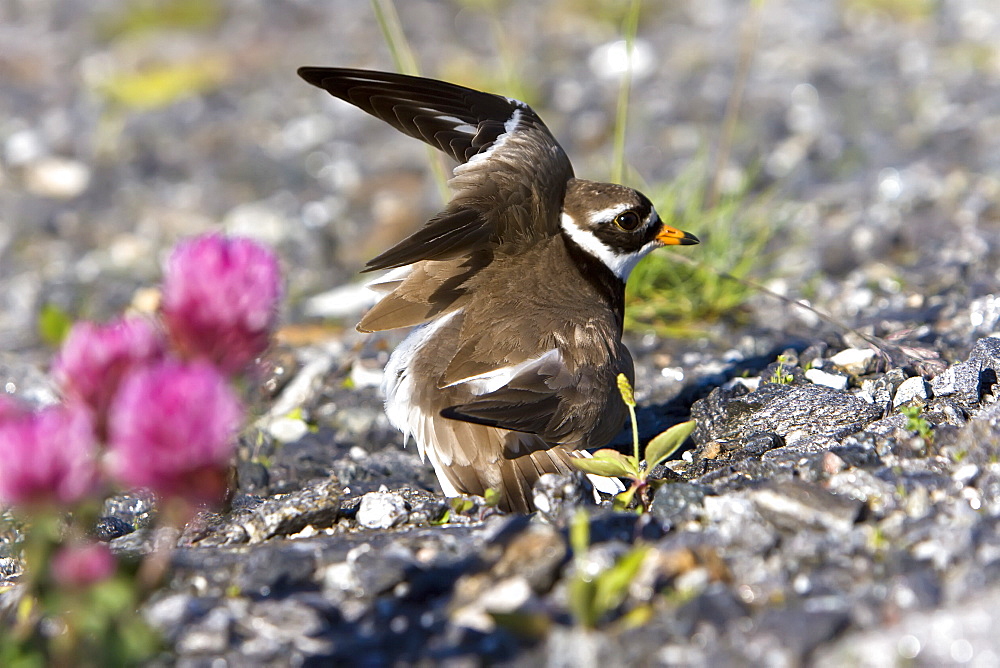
x=397, y=274
x=509, y=126
x=491, y=381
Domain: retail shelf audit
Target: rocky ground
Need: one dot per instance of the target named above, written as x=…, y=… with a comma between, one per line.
x=809, y=522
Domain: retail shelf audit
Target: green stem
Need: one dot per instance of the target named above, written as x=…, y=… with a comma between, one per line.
x=635, y=435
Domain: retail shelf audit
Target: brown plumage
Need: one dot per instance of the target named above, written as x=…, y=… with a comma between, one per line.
x=516, y=290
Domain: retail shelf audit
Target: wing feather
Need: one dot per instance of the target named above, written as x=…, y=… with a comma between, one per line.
x=493, y=137
x=543, y=397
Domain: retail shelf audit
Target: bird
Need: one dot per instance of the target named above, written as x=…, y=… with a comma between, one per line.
x=515, y=291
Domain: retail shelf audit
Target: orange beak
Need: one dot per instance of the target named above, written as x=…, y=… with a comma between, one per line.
x=671, y=236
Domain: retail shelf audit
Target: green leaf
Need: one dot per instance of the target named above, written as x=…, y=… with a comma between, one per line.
x=666, y=443
x=612, y=585
x=460, y=504
x=580, y=599
x=608, y=463
x=579, y=532
x=112, y=596
x=54, y=324
x=139, y=642
x=580, y=588
x=636, y=617
x=623, y=500
x=492, y=497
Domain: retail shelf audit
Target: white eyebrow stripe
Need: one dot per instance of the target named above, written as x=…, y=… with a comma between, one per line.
x=607, y=214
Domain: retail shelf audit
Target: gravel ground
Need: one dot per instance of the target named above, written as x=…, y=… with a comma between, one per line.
x=809, y=524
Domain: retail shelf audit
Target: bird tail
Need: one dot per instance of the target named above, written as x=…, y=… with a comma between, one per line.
x=470, y=459
x=518, y=476
x=512, y=478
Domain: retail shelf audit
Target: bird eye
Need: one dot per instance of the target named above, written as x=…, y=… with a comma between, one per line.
x=627, y=220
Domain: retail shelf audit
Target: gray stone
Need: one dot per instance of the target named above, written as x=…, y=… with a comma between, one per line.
x=210, y=634
x=960, y=633
x=911, y=391
x=558, y=496
x=797, y=504
x=382, y=510
x=793, y=412
x=883, y=389
x=280, y=625
x=680, y=501
x=834, y=380
x=972, y=379
x=317, y=506
x=855, y=361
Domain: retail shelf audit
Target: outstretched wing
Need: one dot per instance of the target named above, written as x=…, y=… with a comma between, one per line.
x=459, y=121
x=510, y=184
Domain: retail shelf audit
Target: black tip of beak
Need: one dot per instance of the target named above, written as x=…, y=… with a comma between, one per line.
x=689, y=239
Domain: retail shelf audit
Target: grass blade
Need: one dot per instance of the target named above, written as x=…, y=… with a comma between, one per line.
x=630, y=28
x=406, y=63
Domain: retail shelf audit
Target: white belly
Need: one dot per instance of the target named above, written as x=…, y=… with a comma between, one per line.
x=401, y=403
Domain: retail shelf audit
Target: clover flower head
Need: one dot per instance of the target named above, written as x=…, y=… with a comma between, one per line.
x=81, y=565
x=220, y=299
x=47, y=456
x=172, y=428
x=94, y=358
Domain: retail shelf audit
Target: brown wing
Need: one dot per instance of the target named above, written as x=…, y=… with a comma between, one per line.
x=558, y=404
x=510, y=185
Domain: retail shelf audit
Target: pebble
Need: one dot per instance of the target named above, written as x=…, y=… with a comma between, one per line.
x=382, y=510
x=796, y=503
x=58, y=178
x=855, y=361
x=965, y=380
x=835, y=380
x=287, y=429
x=912, y=390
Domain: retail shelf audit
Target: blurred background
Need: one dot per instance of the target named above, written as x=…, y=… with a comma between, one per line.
x=841, y=151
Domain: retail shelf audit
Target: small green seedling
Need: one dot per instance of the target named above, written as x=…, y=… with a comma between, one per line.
x=592, y=597
x=780, y=375
x=611, y=463
x=461, y=504
x=916, y=422
x=492, y=497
